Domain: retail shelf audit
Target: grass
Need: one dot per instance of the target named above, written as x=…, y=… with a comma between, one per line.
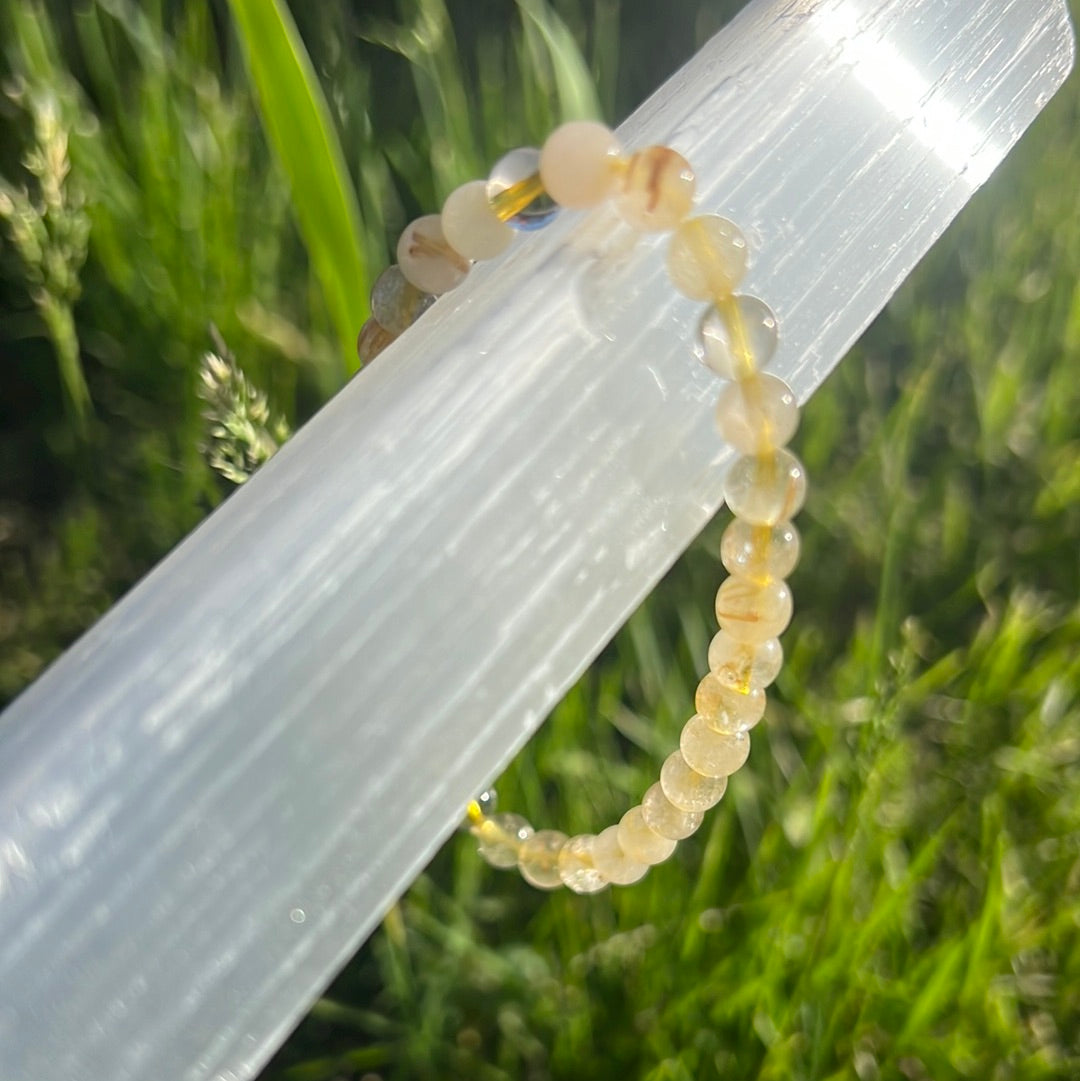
x=889, y=889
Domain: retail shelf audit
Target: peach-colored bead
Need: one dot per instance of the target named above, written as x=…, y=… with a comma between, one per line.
x=707, y=257
x=426, y=258
x=686, y=788
x=538, y=859
x=470, y=224
x=765, y=489
x=577, y=164
x=712, y=753
x=656, y=189
x=664, y=818
x=760, y=551
x=727, y=709
x=612, y=862
x=752, y=611
x=641, y=843
x=577, y=868
x=757, y=415
x=743, y=665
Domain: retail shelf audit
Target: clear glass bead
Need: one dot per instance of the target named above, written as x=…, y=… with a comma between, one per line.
x=372, y=340
x=656, y=189
x=538, y=859
x=426, y=258
x=760, y=551
x=742, y=665
x=726, y=708
x=764, y=489
x=517, y=193
x=707, y=257
x=500, y=837
x=712, y=753
x=757, y=415
x=614, y=864
x=737, y=337
x=577, y=868
x=470, y=224
x=664, y=818
x=686, y=788
x=640, y=842
x=752, y=611
x=577, y=164
x=395, y=302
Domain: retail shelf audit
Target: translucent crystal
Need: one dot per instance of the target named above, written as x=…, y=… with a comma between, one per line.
x=736, y=338
x=664, y=818
x=656, y=189
x=686, y=788
x=426, y=258
x=726, y=708
x=577, y=868
x=395, y=302
x=538, y=859
x=712, y=753
x=764, y=489
x=757, y=415
x=470, y=224
x=707, y=257
x=742, y=665
x=614, y=864
x=577, y=164
x=516, y=191
x=372, y=340
x=500, y=837
x=760, y=552
x=752, y=611
x=640, y=842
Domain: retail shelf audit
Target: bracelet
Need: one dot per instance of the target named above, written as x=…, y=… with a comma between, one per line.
x=580, y=166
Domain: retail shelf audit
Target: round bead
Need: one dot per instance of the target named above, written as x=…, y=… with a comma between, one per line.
x=656, y=189
x=470, y=224
x=577, y=868
x=765, y=489
x=500, y=837
x=516, y=192
x=577, y=164
x=395, y=302
x=737, y=337
x=711, y=753
x=641, y=843
x=664, y=818
x=727, y=709
x=372, y=340
x=752, y=611
x=538, y=859
x=687, y=789
x=743, y=665
x=757, y=415
x=427, y=260
x=760, y=551
x=614, y=864
x=707, y=257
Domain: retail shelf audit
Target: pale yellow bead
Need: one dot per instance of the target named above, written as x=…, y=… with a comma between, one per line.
x=765, y=489
x=726, y=708
x=426, y=258
x=757, y=415
x=737, y=335
x=640, y=842
x=686, y=788
x=664, y=818
x=538, y=859
x=760, y=551
x=577, y=868
x=470, y=224
x=656, y=189
x=711, y=753
x=612, y=862
x=501, y=837
x=577, y=164
x=752, y=611
x=707, y=257
x=742, y=665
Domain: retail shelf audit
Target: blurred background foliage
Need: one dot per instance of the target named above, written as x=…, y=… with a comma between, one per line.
x=889, y=890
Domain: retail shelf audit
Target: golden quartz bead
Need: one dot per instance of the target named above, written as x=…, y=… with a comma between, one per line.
x=711, y=753
x=760, y=552
x=707, y=257
x=500, y=838
x=577, y=865
x=757, y=415
x=764, y=489
x=743, y=665
x=727, y=709
x=752, y=611
x=656, y=189
x=687, y=789
x=538, y=859
x=612, y=862
x=640, y=842
x=664, y=818
x=737, y=336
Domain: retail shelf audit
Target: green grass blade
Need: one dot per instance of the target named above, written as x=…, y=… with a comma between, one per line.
x=573, y=84
x=301, y=132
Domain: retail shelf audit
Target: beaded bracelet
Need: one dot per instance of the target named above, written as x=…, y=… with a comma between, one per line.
x=582, y=165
